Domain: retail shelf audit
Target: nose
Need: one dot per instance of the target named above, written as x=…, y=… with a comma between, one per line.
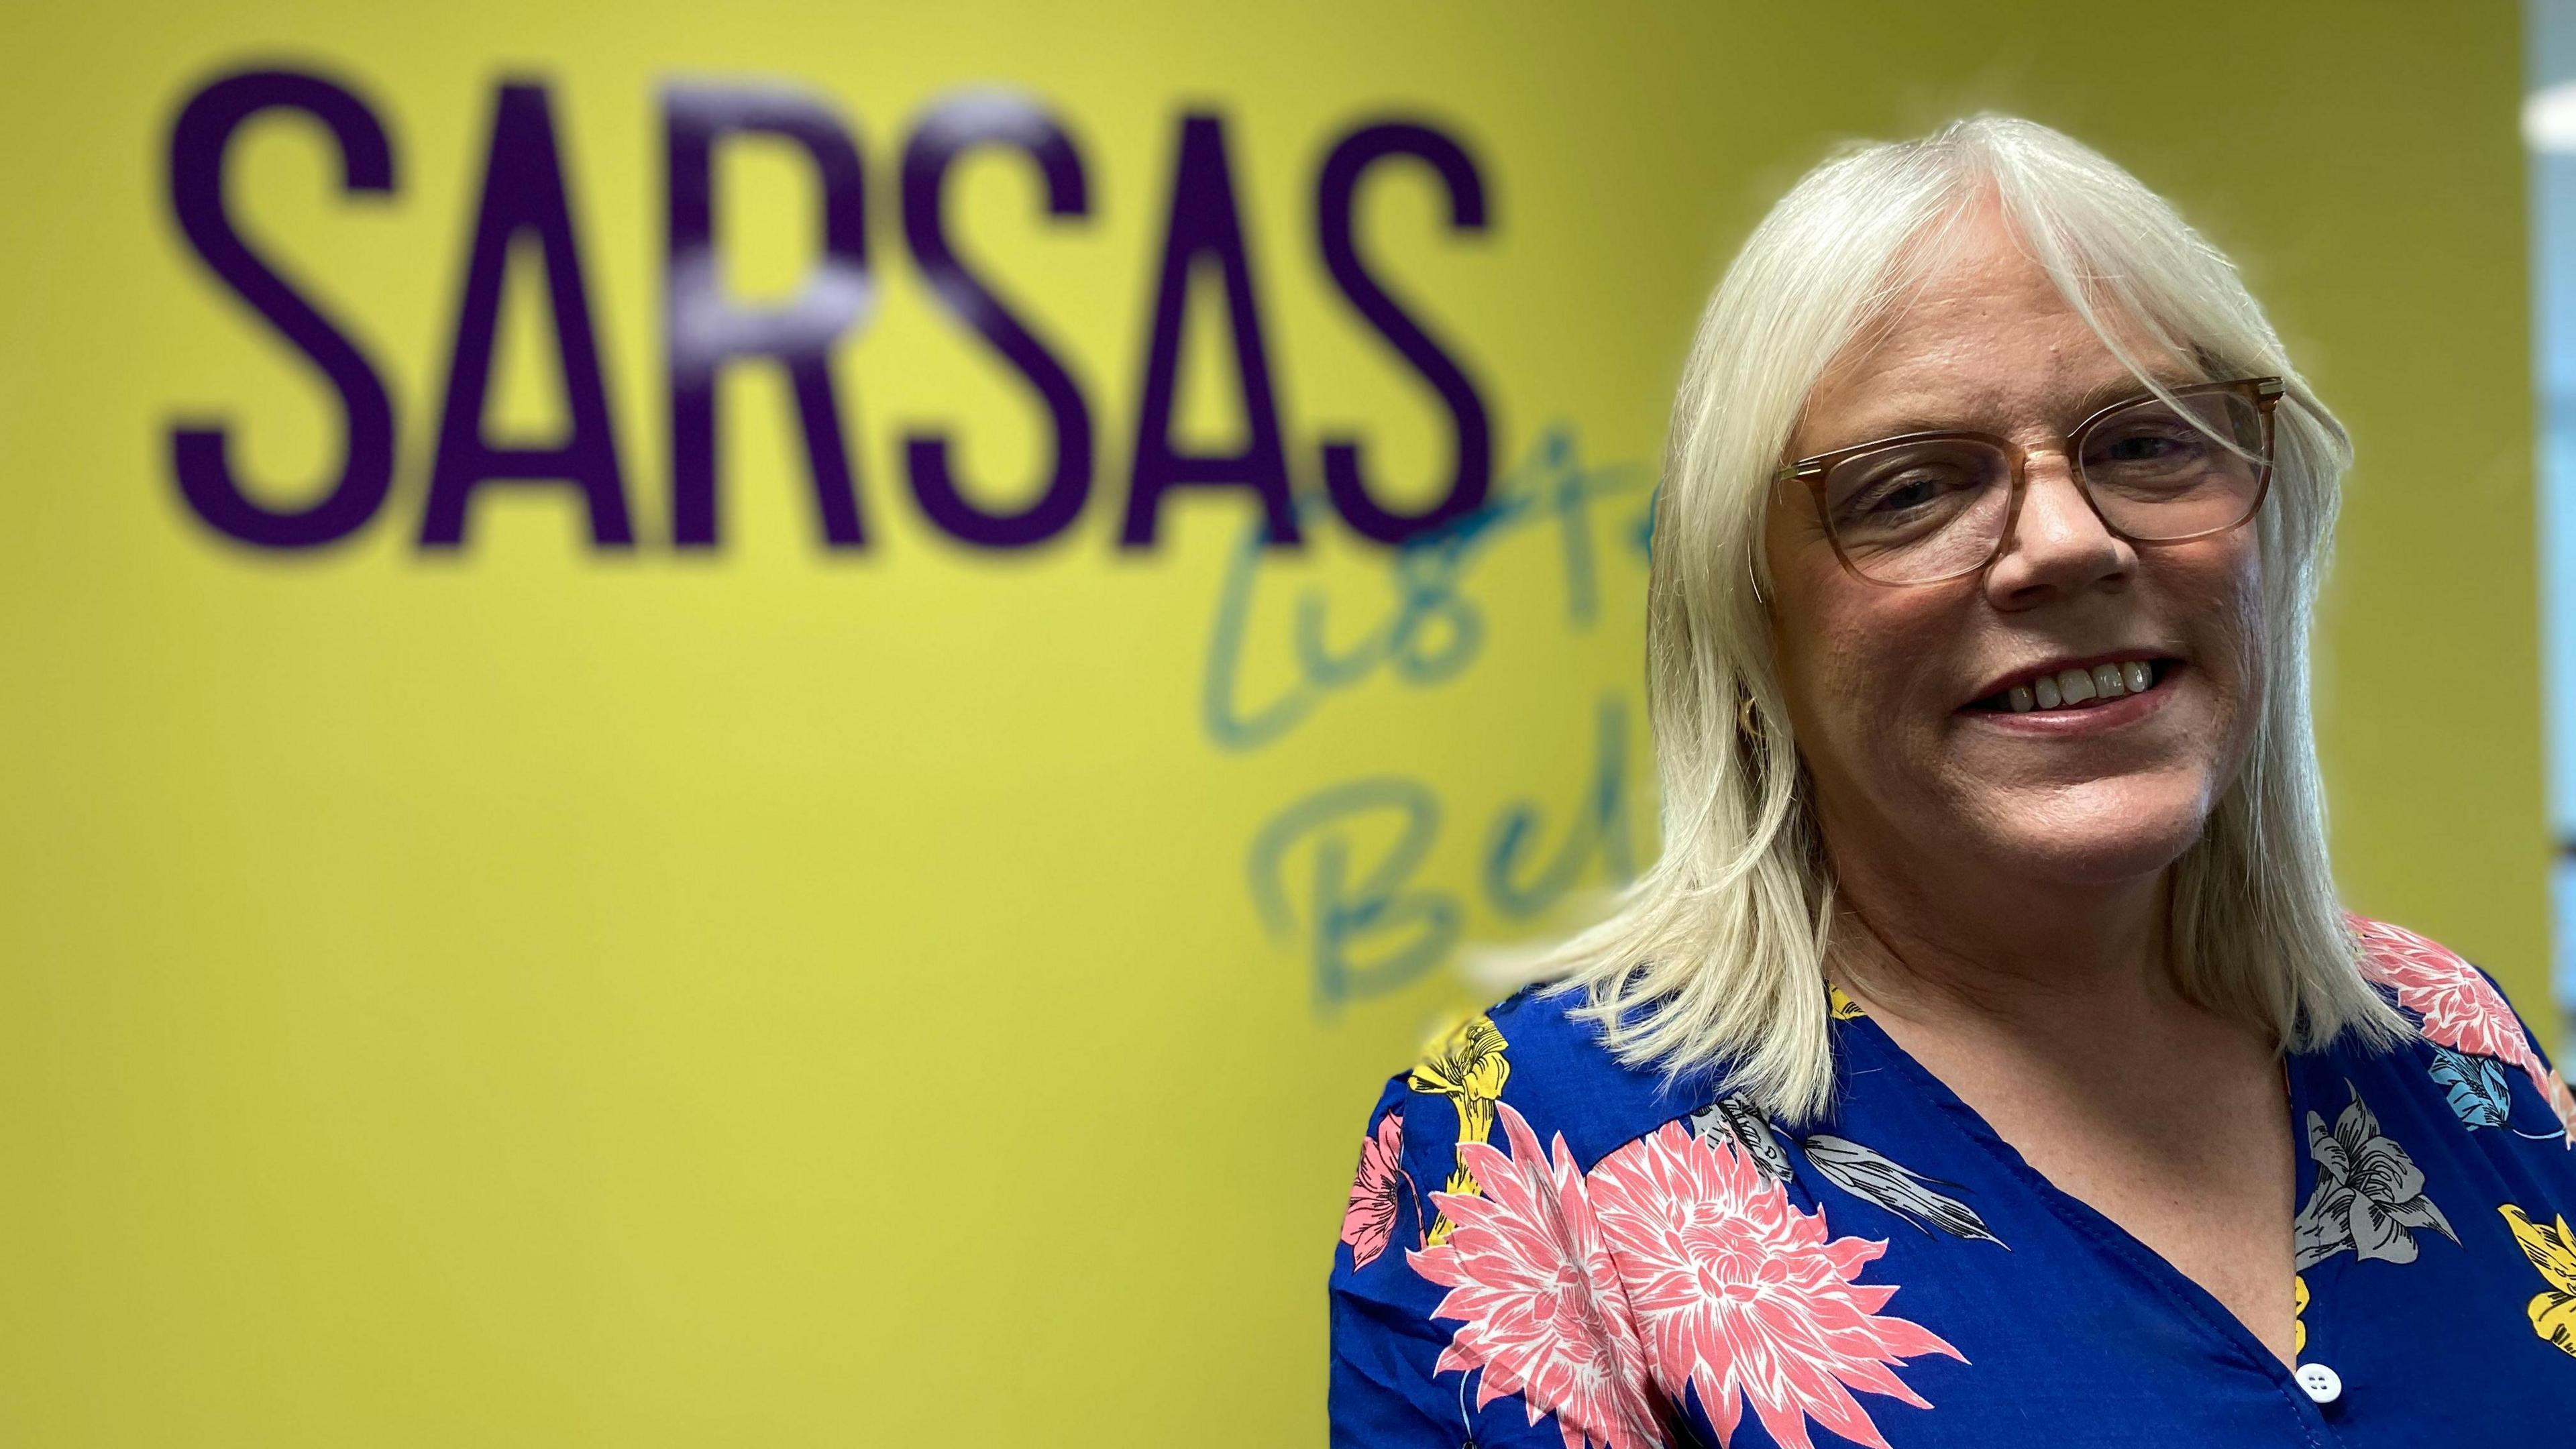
x=2059, y=545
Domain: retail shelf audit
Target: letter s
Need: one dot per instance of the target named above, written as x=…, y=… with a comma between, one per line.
x=1335, y=233
x=954, y=126
x=199, y=141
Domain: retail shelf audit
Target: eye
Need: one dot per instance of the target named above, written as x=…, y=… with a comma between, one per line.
x=1911, y=491
x=1898, y=494
x=1892, y=496
x=2140, y=447
x=2154, y=444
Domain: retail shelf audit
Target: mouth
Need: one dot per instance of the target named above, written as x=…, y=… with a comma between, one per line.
x=2075, y=687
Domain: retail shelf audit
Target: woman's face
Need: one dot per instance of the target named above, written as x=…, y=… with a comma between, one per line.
x=1900, y=696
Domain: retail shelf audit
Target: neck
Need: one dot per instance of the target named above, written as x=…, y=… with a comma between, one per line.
x=1990, y=950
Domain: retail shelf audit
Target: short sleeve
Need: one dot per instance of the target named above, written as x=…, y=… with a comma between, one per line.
x=2458, y=1009
x=2530, y=1036
x=1385, y=1347
x=1472, y=1301
x=2545, y=1080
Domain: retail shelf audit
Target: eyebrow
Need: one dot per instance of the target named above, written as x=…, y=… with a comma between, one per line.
x=2111, y=390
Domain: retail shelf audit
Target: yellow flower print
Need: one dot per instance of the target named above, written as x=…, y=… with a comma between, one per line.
x=1468, y=1068
x=1843, y=1007
x=2298, y=1314
x=2553, y=1251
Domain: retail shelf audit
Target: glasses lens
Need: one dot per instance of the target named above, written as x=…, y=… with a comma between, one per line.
x=2172, y=470
x=1915, y=512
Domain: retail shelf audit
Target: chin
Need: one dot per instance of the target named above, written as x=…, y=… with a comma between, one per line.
x=2102, y=832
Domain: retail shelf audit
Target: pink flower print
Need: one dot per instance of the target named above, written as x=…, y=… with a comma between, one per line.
x=2562, y=1102
x=1745, y=1298
x=2460, y=1009
x=1370, y=1219
x=1539, y=1297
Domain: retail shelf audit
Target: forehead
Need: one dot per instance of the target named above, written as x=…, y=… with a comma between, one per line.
x=1982, y=340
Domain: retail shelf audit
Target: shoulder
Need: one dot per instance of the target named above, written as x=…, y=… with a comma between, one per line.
x=2470, y=1038
x=2454, y=1003
x=1459, y=1207
x=1525, y=1086
x=1535, y=1053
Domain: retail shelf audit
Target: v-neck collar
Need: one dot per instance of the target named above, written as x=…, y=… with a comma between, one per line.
x=2195, y=1304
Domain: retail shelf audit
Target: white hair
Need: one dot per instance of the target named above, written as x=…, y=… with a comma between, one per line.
x=1714, y=958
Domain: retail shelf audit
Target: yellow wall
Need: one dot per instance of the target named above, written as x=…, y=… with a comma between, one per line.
x=539, y=996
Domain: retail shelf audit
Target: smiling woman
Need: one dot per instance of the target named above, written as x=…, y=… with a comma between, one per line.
x=1993, y=916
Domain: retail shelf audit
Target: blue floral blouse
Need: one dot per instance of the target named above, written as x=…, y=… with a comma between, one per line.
x=1546, y=1248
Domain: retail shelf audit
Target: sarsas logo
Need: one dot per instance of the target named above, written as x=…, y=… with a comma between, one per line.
x=524, y=200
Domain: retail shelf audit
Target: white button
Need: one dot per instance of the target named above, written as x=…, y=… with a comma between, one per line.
x=2323, y=1384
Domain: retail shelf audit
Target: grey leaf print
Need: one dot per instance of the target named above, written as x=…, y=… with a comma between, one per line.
x=2323, y=1228
x=1865, y=1173
x=1735, y=1118
x=2369, y=1195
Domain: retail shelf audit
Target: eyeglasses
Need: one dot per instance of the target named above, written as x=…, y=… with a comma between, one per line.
x=1927, y=507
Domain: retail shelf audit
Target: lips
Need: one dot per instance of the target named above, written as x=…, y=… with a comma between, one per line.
x=2075, y=684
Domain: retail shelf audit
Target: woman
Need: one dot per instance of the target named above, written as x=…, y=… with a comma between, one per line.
x=1986, y=1060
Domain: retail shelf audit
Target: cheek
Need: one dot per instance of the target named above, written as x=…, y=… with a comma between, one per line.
x=2215, y=595
x=2251, y=650
x=2222, y=597
x=1853, y=658
x=1860, y=663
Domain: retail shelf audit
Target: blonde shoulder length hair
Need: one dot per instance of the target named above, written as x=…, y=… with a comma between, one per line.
x=1714, y=958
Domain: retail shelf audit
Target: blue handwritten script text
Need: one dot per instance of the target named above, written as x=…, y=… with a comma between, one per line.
x=1429, y=630
x=1366, y=921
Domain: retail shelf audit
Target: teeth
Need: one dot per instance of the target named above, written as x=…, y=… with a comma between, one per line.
x=2069, y=688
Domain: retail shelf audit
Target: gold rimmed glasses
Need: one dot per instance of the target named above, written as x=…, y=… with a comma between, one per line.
x=1927, y=507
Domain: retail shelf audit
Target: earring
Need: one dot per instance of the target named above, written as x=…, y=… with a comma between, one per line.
x=1744, y=715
